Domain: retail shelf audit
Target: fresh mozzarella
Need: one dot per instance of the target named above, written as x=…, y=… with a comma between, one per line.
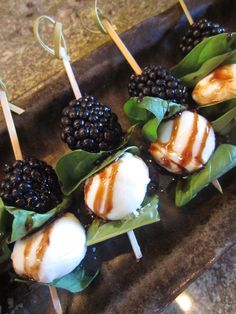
x=218, y=86
x=184, y=144
x=119, y=189
x=52, y=252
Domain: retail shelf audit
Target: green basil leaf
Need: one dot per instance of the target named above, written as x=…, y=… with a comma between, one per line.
x=231, y=59
x=150, y=130
x=207, y=67
x=26, y=221
x=136, y=112
x=223, y=160
x=222, y=122
x=214, y=111
x=150, y=112
x=209, y=48
x=230, y=126
x=3, y=218
x=100, y=231
x=150, y=107
x=77, y=166
x=76, y=281
x=5, y=252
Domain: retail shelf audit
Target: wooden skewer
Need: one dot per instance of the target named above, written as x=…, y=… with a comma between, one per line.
x=135, y=246
x=10, y=126
x=18, y=156
x=217, y=185
x=119, y=43
x=71, y=77
x=186, y=12
x=55, y=300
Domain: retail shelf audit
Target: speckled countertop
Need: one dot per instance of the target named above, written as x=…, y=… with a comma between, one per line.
x=24, y=64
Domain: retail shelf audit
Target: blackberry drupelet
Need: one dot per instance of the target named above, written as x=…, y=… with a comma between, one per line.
x=197, y=32
x=31, y=184
x=159, y=82
x=87, y=124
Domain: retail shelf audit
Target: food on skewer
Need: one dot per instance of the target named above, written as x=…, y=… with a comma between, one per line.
x=119, y=189
x=87, y=124
x=31, y=184
x=184, y=144
x=197, y=32
x=157, y=81
x=52, y=252
x=218, y=86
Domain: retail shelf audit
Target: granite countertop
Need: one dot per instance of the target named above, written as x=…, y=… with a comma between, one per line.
x=24, y=64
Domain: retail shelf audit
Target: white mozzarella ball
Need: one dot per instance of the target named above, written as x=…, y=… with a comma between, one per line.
x=184, y=144
x=119, y=189
x=52, y=252
x=218, y=86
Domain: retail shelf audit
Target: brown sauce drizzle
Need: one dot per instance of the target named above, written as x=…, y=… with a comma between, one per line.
x=29, y=223
x=109, y=204
x=104, y=177
x=198, y=158
x=170, y=145
x=222, y=74
x=32, y=271
x=88, y=186
x=187, y=153
x=166, y=162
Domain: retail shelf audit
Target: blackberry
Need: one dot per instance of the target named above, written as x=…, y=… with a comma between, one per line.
x=159, y=82
x=31, y=184
x=87, y=124
x=197, y=32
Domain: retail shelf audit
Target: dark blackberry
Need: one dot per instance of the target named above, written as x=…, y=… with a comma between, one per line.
x=87, y=124
x=197, y=32
x=159, y=82
x=31, y=184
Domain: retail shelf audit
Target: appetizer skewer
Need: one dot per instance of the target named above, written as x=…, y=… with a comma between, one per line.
x=152, y=81
x=86, y=124
x=18, y=156
x=198, y=31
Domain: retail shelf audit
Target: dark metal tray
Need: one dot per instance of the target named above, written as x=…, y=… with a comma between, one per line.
x=186, y=241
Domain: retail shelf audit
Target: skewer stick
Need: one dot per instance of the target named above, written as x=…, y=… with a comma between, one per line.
x=119, y=43
x=18, y=156
x=186, y=12
x=217, y=185
x=71, y=77
x=10, y=126
x=55, y=300
x=13, y=108
x=59, y=50
x=135, y=246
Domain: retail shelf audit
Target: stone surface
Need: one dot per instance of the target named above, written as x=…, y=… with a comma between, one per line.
x=24, y=64
x=214, y=291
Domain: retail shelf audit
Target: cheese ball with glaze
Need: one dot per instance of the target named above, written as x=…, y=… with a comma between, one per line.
x=52, y=252
x=184, y=144
x=119, y=189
